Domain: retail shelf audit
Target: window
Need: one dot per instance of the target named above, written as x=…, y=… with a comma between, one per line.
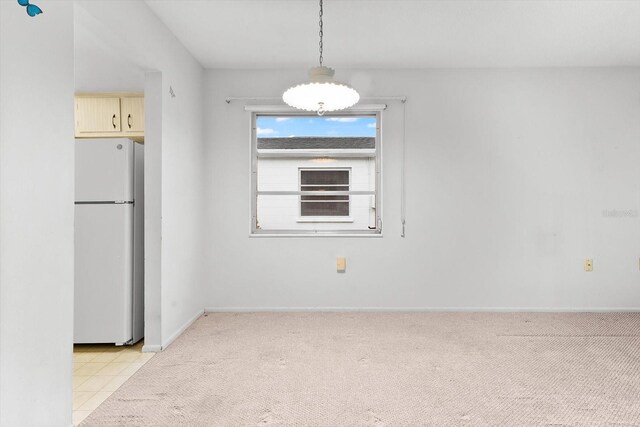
x=315, y=175
x=330, y=182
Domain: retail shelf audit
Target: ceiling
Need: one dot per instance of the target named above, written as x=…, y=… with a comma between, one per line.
x=406, y=33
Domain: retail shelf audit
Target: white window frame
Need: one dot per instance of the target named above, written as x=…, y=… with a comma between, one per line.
x=327, y=218
x=277, y=111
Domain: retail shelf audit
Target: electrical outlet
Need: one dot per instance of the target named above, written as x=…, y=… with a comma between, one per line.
x=588, y=264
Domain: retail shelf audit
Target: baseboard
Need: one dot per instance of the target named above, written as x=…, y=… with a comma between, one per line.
x=425, y=309
x=183, y=328
x=151, y=348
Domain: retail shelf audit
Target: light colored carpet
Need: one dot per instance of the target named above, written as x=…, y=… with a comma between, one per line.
x=389, y=369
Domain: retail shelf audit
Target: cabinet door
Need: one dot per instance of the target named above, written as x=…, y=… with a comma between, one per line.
x=97, y=115
x=133, y=114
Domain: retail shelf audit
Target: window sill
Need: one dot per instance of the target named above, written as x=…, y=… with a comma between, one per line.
x=315, y=235
x=324, y=219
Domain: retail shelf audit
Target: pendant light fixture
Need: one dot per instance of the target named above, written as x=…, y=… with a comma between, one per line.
x=321, y=93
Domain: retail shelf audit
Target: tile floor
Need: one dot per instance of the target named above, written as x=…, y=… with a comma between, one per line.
x=98, y=371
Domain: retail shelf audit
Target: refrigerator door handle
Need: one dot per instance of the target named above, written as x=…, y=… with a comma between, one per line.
x=106, y=202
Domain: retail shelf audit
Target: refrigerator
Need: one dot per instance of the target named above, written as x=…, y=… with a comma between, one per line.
x=109, y=241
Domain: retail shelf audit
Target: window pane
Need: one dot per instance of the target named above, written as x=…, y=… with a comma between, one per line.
x=324, y=209
x=320, y=177
x=278, y=212
x=325, y=155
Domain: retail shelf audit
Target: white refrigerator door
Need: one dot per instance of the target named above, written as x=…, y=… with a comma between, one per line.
x=103, y=273
x=104, y=170
x=138, y=246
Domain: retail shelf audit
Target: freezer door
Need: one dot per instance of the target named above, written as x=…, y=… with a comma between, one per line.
x=103, y=273
x=104, y=169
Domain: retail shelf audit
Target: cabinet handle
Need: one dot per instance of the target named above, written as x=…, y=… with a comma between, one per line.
x=129, y=121
x=113, y=121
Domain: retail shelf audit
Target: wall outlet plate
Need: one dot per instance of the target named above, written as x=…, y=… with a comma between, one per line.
x=588, y=264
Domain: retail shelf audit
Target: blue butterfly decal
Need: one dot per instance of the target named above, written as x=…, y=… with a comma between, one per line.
x=32, y=9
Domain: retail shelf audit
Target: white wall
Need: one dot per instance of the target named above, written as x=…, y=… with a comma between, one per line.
x=36, y=211
x=508, y=174
x=101, y=68
x=109, y=74
x=174, y=161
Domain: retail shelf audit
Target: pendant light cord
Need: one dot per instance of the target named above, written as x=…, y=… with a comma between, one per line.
x=321, y=33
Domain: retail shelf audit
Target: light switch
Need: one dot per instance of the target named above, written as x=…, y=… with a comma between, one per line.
x=588, y=265
x=341, y=264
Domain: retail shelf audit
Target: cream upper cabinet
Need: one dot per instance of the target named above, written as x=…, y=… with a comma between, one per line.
x=110, y=115
x=132, y=114
x=97, y=115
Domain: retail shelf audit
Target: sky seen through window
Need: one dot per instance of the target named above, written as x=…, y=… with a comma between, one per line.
x=306, y=126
